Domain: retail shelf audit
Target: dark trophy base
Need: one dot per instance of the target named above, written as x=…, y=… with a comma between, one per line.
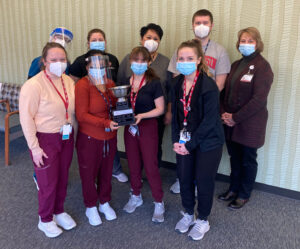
x=123, y=117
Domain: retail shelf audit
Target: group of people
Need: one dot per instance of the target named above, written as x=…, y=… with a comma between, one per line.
x=206, y=100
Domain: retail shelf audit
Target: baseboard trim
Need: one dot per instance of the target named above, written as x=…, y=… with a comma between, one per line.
x=224, y=178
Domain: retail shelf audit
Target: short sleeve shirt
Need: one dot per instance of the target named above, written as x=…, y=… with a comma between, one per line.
x=216, y=58
x=146, y=96
x=159, y=65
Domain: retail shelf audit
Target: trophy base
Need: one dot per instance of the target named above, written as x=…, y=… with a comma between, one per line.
x=123, y=117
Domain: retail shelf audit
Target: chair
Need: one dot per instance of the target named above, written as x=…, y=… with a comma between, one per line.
x=9, y=107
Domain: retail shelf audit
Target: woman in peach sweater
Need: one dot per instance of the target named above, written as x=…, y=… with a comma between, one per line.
x=47, y=117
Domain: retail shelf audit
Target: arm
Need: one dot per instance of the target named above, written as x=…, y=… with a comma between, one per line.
x=157, y=111
x=220, y=80
x=28, y=107
x=261, y=87
x=175, y=128
x=210, y=116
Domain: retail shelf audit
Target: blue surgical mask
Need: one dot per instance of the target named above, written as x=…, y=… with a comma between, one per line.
x=139, y=68
x=247, y=49
x=97, y=74
x=186, y=68
x=97, y=45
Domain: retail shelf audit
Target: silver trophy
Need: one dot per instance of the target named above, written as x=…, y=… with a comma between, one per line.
x=123, y=114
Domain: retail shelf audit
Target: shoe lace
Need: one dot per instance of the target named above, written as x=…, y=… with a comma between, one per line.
x=186, y=219
x=199, y=226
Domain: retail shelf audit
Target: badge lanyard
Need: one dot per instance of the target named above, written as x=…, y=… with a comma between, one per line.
x=186, y=105
x=133, y=99
x=206, y=46
x=108, y=106
x=107, y=102
x=66, y=100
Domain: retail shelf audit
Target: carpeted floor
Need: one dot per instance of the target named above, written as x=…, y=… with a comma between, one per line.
x=267, y=221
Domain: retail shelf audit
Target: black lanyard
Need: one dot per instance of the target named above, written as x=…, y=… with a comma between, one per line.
x=108, y=102
x=206, y=46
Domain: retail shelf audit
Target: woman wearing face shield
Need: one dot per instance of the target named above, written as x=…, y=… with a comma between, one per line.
x=151, y=36
x=147, y=102
x=244, y=113
x=96, y=40
x=59, y=35
x=97, y=136
x=47, y=115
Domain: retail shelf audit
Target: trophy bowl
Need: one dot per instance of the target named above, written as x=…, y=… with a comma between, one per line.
x=120, y=91
x=123, y=114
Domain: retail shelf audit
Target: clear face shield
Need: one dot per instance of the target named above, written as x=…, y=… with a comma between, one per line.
x=99, y=70
x=62, y=36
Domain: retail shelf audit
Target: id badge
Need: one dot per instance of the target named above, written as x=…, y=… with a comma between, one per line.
x=66, y=131
x=133, y=130
x=247, y=78
x=185, y=136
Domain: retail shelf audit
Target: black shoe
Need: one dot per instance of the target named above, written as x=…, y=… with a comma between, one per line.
x=237, y=203
x=227, y=196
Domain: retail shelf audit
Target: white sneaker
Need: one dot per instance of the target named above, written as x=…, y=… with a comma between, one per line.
x=134, y=202
x=159, y=210
x=121, y=177
x=199, y=229
x=184, y=224
x=107, y=210
x=175, y=188
x=50, y=229
x=93, y=216
x=64, y=220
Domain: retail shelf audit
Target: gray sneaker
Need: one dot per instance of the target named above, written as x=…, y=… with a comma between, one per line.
x=199, y=229
x=134, y=202
x=185, y=222
x=159, y=210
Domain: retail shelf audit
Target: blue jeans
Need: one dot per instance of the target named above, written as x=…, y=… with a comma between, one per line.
x=117, y=167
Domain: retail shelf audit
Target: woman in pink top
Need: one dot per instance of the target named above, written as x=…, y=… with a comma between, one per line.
x=47, y=117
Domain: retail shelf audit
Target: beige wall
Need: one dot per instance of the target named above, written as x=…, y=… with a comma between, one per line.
x=26, y=24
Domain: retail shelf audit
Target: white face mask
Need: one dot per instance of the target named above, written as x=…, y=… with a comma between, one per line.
x=61, y=42
x=58, y=68
x=201, y=31
x=151, y=45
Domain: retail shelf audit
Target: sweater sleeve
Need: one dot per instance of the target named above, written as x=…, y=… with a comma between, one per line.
x=208, y=123
x=175, y=127
x=261, y=87
x=82, y=106
x=28, y=107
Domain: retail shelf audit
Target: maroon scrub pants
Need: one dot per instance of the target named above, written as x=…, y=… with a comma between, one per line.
x=95, y=159
x=143, y=148
x=52, y=177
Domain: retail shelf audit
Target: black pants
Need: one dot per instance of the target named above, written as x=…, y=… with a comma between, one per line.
x=200, y=168
x=243, y=168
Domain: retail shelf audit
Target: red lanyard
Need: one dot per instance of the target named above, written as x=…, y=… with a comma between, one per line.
x=66, y=102
x=186, y=105
x=133, y=99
